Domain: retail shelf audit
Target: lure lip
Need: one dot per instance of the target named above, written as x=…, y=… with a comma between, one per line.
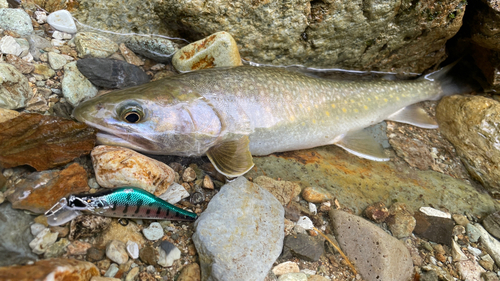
x=61, y=213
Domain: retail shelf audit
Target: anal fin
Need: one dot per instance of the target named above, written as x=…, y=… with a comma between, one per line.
x=414, y=115
x=362, y=144
x=232, y=158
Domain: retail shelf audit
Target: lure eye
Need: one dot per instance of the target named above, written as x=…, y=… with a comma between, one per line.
x=132, y=115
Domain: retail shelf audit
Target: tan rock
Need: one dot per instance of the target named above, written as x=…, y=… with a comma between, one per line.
x=116, y=231
x=129, y=56
x=190, y=272
x=116, y=166
x=207, y=182
x=316, y=195
x=218, y=49
x=284, y=191
x=286, y=267
x=470, y=123
x=51, y=269
x=7, y=114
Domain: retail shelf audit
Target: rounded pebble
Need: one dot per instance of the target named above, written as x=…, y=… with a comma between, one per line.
x=286, y=267
x=116, y=251
x=293, y=277
x=132, y=249
x=305, y=223
x=62, y=21
x=16, y=20
x=153, y=232
x=37, y=228
x=315, y=195
x=189, y=175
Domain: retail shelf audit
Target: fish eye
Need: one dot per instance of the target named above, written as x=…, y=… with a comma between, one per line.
x=132, y=115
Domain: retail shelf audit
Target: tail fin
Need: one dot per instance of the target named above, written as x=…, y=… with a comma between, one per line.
x=453, y=79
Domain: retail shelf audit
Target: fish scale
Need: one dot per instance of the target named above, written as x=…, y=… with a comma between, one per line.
x=128, y=202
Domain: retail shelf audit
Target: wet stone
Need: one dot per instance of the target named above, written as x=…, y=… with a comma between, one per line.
x=57, y=249
x=14, y=88
x=157, y=49
x=316, y=195
x=113, y=74
x=217, y=50
x=377, y=255
x=303, y=247
x=112, y=270
x=293, y=277
x=87, y=226
x=7, y=114
x=77, y=248
x=436, y=229
x=62, y=21
x=38, y=43
x=16, y=20
x=460, y=219
x=174, y=193
x=116, y=167
x=132, y=249
x=94, y=254
x=286, y=267
x=117, y=252
x=377, y=212
x=64, y=269
x=129, y=56
x=472, y=232
x=400, y=221
x=42, y=241
x=168, y=253
x=90, y=44
x=148, y=255
x=153, y=232
x=190, y=272
x=491, y=245
x=116, y=231
x=44, y=189
x=75, y=86
x=492, y=224
x=284, y=191
x=8, y=45
x=56, y=60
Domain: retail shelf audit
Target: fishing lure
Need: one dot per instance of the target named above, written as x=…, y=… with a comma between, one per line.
x=124, y=202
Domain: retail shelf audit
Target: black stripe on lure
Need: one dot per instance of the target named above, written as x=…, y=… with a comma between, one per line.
x=124, y=202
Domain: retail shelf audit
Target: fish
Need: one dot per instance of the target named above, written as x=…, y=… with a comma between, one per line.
x=124, y=202
x=230, y=114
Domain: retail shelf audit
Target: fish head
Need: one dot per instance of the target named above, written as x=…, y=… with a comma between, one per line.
x=157, y=118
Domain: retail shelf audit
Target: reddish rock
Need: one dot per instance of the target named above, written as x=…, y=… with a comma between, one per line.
x=51, y=269
x=43, y=142
x=40, y=191
x=435, y=229
x=316, y=195
x=377, y=212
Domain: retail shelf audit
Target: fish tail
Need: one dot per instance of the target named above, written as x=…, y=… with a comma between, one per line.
x=453, y=80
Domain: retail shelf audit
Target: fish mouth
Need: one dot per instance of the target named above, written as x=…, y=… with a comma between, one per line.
x=105, y=138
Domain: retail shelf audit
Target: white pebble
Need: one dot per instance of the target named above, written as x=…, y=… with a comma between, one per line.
x=133, y=249
x=9, y=45
x=153, y=232
x=312, y=208
x=308, y=271
x=475, y=251
x=167, y=260
x=434, y=212
x=305, y=222
x=37, y=228
x=42, y=241
x=61, y=35
x=40, y=16
x=57, y=42
x=174, y=193
x=62, y=21
x=286, y=267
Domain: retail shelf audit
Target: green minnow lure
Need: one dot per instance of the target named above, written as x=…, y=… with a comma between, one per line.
x=125, y=202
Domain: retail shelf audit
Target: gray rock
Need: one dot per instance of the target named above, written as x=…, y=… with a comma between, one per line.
x=37, y=43
x=15, y=91
x=109, y=73
x=168, y=253
x=117, y=252
x=16, y=20
x=56, y=60
x=472, y=232
x=400, y=221
x=36, y=228
x=492, y=224
x=243, y=224
x=303, y=247
x=157, y=49
x=25, y=46
x=57, y=249
x=377, y=255
x=89, y=44
x=174, y=193
x=347, y=34
x=75, y=86
x=293, y=276
x=491, y=244
x=112, y=270
x=153, y=232
x=43, y=241
x=15, y=236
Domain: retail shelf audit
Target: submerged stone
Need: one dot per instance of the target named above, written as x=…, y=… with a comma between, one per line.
x=16, y=20
x=89, y=44
x=15, y=236
x=109, y=73
x=62, y=21
x=157, y=49
x=63, y=269
x=43, y=142
x=250, y=238
x=15, y=91
x=75, y=86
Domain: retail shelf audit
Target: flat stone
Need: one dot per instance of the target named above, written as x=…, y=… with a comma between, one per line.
x=112, y=270
x=116, y=167
x=78, y=248
x=61, y=35
x=129, y=56
x=9, y=45
x=117, y=252
x=286, y=267
x=217, y=50
x=132, y=250
x=303, y=247
x=460, y=219
x=25, y=46
x=490, y=276
x=94, y=254
x=37, y=44
x=377, y=212
x=400, y=221
x=148, y=255
x=293, y=277
x=56, y=60
x=133, y=273
x=16, y=20
x=7, y=114
x=168, y=253
x=116, y=231
x=22, y=65
x=153, y=232
x=37, y=228
x=64, y=269
x=42, y=241
x=492, y=224
x=89, y=44
x=41, y=190
x=377, y=255
x=190, y=272
x=305, y=222
x=157, y=49
x=62, y=21
x=456, y=252
x=57, y=249
x=174, y=193
x=436, y=229
x=472, y=232
x=434, y=212
x=75, y=86
x=113, y=74
x=284, y=191
x=251, y=238
x=44, y=70
x=14, y=88
x=491, y=244
x=15, y=236
x=470, y=270
x=316, y=195
x=487, y=262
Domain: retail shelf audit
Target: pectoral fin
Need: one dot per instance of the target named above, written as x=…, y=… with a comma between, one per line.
x=414, y=115
x=362, y=144
x=231, y=158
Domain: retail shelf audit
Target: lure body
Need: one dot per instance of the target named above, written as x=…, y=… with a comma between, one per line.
x=125, y=202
